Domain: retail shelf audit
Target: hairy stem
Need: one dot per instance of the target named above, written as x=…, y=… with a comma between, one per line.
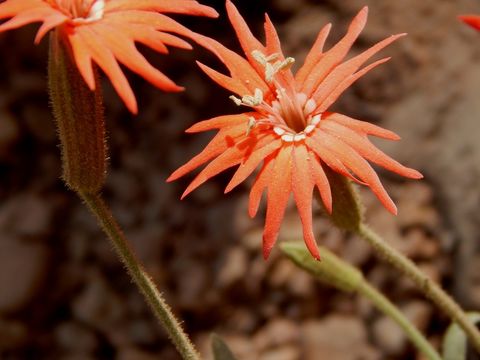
x=431, y=290
x=140, y=277
x=382, y=303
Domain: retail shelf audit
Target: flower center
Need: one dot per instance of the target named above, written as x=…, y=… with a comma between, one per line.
x=80, y=11
x=291, y=114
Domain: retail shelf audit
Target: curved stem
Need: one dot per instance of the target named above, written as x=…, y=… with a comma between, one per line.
x=431, y=290
x=139, y=276
x=383, y=304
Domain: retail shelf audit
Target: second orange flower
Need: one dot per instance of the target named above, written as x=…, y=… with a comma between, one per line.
x=288, y=130
x=105, y=31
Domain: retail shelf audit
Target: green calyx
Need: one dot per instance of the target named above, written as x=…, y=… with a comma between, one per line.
x=79, y=116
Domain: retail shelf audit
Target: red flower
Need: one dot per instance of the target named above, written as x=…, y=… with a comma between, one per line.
x=289, y=129
x=105, y=31
x=472, y=20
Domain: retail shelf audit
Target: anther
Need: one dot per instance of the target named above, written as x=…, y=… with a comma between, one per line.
x=96, y=11
x=309, y=129
x=249, y=100
x=299, y=137
x=310, y=105
x=316, y=120
x=251, y=124
x=288, y=137
x=278, y=131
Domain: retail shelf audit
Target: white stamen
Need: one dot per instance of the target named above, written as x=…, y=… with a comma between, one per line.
x=299, y=137
x=96, y=11
x=272, y=69
x=236, y=100
x=310, y=105
x=249, y=100
x=278, y=131
x=288, y=137
x=316, y=120
x=309, y=129
x=251, y=124
x=301, y=98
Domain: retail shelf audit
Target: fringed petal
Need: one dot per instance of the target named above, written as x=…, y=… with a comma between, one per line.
x=366, y=149
x=335, y=55
x=302, y=187
x=359, y=166
x=251, y=163
x=278, y=192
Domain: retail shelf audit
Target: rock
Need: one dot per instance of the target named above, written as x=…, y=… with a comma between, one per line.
x=275, y=333
x=13, y=334
x=281, y=273
x=76, y=338
x=336, y=337
x=234, y=267
x=252, y=240
x=131, y=353
x=389, y=336
x=419, y=313
x=301, y=284
x=26, y=215
x=288, y=352
x=23, y=267
x=356, y=251
x=419, y=246
x=9, y=132
x=192, y=280
x=98, y=305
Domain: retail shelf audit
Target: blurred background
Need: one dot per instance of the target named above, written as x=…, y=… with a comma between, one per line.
x=65, y=295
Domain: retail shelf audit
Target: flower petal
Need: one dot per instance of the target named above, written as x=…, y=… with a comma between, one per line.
x=261, y=182
x=362, y=127
x=335, y=55
x=252, y=162
x=278, y=192
x=313, y=56
x=321, y=181
x=302, y=187
x=359, y=166
x=222, y=141
x=366, y=149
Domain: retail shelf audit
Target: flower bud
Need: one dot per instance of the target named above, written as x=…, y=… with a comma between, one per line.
x=79, y=117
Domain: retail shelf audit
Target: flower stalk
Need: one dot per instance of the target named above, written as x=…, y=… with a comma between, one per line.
x=429, y=288
x=146, y=285
x=337, y=273
x=348, y=215
x=79, y=117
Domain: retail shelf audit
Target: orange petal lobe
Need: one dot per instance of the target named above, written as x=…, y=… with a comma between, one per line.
x=351, y=159
x=278, y=192
x=263, y=179
x=302, y=187
x=252, y=162
x=367, y=150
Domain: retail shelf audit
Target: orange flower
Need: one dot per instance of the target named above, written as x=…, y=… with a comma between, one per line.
x=472, y=20
x=289, y=129
x=105, y=31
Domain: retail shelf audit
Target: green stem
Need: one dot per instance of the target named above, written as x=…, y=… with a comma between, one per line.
x=431, y=290
x=383, y=304
x=139, y=276
x=339, y=274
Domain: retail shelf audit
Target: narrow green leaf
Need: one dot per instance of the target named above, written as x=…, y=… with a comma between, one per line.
x=455, y=341
x=330, y=269
x=221, y=351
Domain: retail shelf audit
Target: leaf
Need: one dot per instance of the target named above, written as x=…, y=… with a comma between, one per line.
x=330, y=269
x=221, y=351
x=454, y=345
